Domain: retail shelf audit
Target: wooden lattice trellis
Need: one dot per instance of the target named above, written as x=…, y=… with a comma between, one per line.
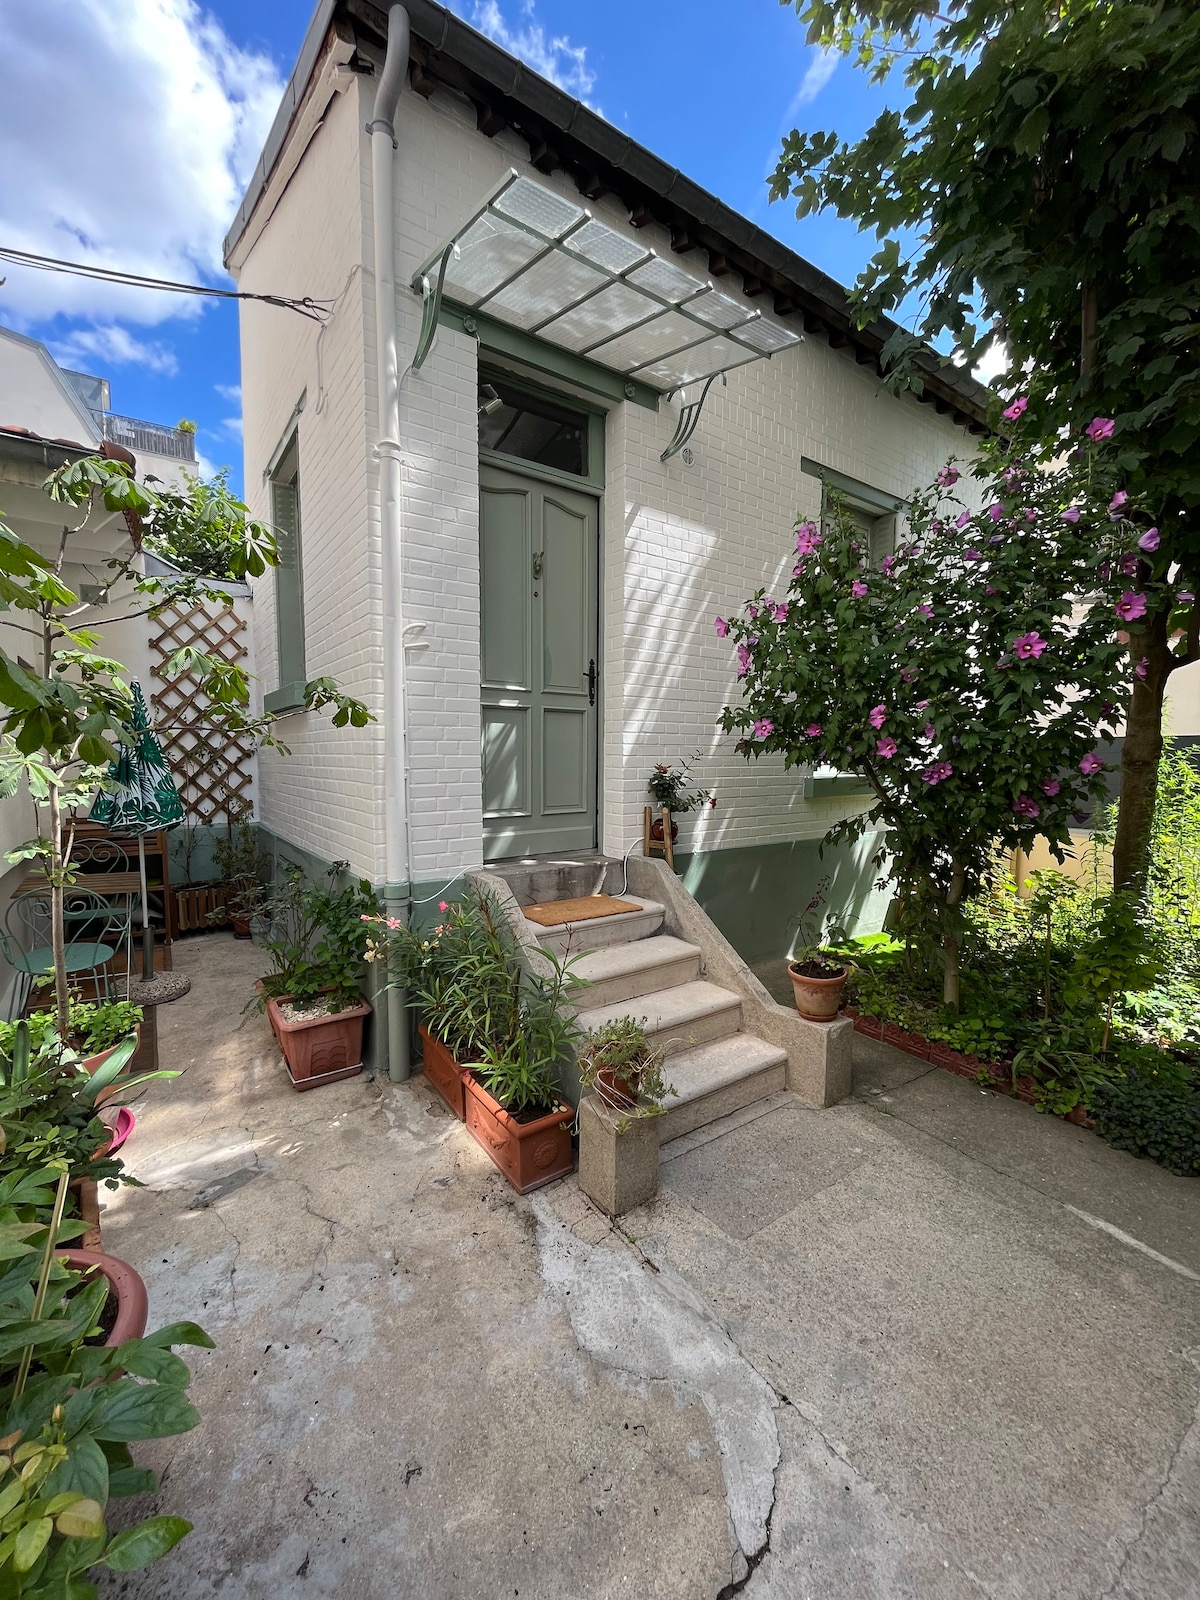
x=211, y=767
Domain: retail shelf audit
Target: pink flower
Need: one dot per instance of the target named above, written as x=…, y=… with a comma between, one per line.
x=1030, y=514
x=878, y=716
x=1051, y=787
x=886, y=747
x=763, y=728
x=997, y=538
x=996, y=512
x=1118, y=500
x=721, y=626
x=743, y=660
x=1016, y=410
x=1131, y=606
x=1149, y=540
x=1025, y=807
x=443, y=905
x=925, y=611
x=908, y=674
x=989, y=590
x=947, y=477
x=921, y=704
x=888, y=563
x=1142, y=668
x=1099, y=428
x=813, y=731
x=972, y=555
x=930, y=731
x=1090, y=764
x=938, y=772
x=807, y=539
x=1185, y=597
x=781, y=612
x=1028, y=647
x=858, y=588
x=962, y=521
x=798, y=570
x=752, y=610
x=712, y=802
x=1071, y=514
x=1129, y=563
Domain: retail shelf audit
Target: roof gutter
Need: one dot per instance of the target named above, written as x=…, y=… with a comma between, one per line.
x=398, y=866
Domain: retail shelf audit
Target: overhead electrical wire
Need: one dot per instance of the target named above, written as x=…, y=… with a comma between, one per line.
x=315, y=310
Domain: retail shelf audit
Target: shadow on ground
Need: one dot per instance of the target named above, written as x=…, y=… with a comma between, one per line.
x=925, y=1344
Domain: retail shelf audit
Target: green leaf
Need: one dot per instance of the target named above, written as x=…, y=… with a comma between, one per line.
x=31, y=1541
x=139, y=1411
x=138, y=1547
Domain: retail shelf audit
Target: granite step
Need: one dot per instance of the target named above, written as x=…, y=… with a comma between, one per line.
x=599, y=933
x=691, y=1013
x=627, y=971
x=715, y=1079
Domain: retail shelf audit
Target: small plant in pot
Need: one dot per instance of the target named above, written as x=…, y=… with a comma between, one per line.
x=620, y=1065
x=317, y=940
x=672, y=787
x=818, y=976
x=243, y=866
x=96, y=1028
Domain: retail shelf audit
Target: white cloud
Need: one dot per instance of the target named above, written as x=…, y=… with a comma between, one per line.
x=229, y=391
x=553, y=55
x=112, y=345
x=233, y=427
x=822, y=65
x=127, y=134
x=993, y=363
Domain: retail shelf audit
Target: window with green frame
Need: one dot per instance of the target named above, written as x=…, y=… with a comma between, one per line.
x=289, y=580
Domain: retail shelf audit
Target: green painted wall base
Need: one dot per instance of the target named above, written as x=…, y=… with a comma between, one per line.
x=755, y=893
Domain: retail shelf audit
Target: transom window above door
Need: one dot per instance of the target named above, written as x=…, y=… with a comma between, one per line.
x=513, y=423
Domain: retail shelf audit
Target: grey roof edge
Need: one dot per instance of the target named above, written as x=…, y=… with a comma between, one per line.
x=443, y=39
x=56, y=374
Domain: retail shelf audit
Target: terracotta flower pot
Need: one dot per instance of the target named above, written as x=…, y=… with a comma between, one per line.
x=241, y=927
x=132, y=1301
x=618, y=1090
x=443, y=1072
x=529, y=1154
x=320, y=1049
x=817, y=999
x=92, y=1064
x=656, y=830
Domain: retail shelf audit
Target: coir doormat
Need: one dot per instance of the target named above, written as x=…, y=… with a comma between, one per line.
x=584, y=909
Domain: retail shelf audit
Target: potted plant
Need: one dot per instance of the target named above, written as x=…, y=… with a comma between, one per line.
x=459, y=979
x=620, y=1065
x=95, y=1028
x=317, y=939
x=672, y=788
x=818, y=977
x=243, y=868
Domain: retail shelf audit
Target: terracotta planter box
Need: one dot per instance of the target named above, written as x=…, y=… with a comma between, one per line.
x=913, y=1044
x=951, y=1060
x=132, y=1301
x=443, y=1073
x=529, y=1154
x=870, y=1026
x=320, y=1049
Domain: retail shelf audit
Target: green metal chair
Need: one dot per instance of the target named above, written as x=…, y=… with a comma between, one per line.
x=94, y=930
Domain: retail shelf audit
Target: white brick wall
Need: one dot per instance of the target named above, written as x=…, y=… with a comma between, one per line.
x=679, y=544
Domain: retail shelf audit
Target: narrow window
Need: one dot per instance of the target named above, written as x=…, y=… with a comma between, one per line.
x=289, y=575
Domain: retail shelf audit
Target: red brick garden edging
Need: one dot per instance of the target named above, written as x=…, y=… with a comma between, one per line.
x=939, y=1054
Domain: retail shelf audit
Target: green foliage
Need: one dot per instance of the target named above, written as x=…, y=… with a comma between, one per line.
x=66, y=1419
x=1152, y=1115
x=317, y=937
x=244, y=868
x=204, y=529
x=473, y=992
x=94, y=1026
x=964, y=679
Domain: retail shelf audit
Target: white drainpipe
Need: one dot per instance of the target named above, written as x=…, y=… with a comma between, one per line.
x=396, y=847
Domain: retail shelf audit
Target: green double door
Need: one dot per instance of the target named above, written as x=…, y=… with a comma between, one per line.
x=538, y=558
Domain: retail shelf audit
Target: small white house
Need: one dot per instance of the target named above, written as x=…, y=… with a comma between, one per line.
x=564, y=408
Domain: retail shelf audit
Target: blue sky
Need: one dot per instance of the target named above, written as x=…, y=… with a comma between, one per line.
x=191, y=89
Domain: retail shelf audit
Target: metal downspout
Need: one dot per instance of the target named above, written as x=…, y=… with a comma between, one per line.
x=396, y=847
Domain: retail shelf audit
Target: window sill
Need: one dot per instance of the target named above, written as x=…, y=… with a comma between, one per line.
x=288, y=697
x=831, y=785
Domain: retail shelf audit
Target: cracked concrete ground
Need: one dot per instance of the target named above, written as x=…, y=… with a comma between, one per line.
x=925, y=1344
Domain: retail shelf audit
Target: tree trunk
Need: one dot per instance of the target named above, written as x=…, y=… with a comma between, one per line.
x=62, y=995
x=950, y=971
x=1140, y=756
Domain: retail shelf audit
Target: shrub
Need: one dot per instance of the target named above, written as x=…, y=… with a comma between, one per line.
x=1151, y=1115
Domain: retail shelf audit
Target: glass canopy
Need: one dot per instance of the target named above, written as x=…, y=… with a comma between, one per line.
x=538, y=262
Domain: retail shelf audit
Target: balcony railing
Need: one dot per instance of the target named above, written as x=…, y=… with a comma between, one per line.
x=146, y=436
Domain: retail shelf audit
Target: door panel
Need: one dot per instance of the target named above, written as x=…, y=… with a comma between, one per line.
x=538, y=588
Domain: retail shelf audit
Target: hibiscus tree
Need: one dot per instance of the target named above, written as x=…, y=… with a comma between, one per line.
x=966, y=679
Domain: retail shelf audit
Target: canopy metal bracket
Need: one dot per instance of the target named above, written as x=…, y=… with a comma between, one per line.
x=689, y=416
x=431, y=306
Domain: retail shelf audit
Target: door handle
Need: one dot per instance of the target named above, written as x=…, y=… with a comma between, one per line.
x=592, y=676
x=537, y=563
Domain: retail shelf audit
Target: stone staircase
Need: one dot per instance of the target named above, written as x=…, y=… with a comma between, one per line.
x=633, y=970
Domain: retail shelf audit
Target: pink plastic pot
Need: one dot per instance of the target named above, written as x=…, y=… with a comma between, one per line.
x=121, y=1121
